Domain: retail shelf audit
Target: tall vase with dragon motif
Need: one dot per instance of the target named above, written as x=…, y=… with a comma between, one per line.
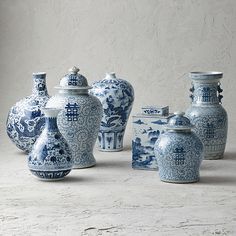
x=25, y=120
x=207, y=114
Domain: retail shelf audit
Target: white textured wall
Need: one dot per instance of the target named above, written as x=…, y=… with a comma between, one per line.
x=151, y=43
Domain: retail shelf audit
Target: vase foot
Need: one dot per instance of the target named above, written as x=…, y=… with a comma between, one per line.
x=83, y=166
x=84, y=160
x=50, y=175
x=213, y=156
x=111, y=150
x=180, y=181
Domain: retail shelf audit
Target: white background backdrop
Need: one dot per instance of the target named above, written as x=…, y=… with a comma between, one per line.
x=153, y=44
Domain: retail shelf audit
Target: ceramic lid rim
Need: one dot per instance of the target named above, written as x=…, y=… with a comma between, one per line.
x=73, y=87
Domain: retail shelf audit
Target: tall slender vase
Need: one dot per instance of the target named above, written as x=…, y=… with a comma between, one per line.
x=80, y=117
x=207, y=114
x=25, y=120
x=51, y=157
x=116, y=96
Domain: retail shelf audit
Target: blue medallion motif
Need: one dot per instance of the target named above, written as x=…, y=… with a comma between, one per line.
x=72, y=111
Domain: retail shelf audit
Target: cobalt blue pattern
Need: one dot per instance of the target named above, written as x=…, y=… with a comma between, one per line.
x=152, y=110
x=179, y=152
x=116, y=96
x=72, y=111
x=207, y=114
x=73, y=78
x=25, y=120
x=146, y=130
x=79, y=121
x=51, y=157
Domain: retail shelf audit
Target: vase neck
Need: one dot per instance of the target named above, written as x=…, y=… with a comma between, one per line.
x=39, y=84
x=206, y=93
x=51, y=124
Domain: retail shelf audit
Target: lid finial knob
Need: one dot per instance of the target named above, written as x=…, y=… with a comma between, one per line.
x=74, y=70
x=111, y=75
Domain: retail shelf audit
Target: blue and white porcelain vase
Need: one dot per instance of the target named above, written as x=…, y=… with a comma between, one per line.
x=116, y=96
x=179, y=151
x=51, y=157
x=80, y=117
x=25, y=120
x=207, y=114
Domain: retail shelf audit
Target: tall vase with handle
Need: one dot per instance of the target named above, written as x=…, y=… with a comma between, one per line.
x=207, y=113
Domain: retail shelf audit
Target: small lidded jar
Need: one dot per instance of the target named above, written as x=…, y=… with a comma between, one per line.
x=179, y=151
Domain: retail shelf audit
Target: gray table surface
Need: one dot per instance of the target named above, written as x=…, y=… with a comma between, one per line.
x=113, y=199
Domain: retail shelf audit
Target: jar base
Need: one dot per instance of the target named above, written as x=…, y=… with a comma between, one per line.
x=179, y=181
x=84, y=160
x=83, y=166
x=111, y=150
x=214, y=156
x=50, y=175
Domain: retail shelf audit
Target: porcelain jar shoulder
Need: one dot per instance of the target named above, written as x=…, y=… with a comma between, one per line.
x=179, y=152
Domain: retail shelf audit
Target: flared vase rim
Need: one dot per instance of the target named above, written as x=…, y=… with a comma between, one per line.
x=203, y=75
x=39, y=73
x=50, y=111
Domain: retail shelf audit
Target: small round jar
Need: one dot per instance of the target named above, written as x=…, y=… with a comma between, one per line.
x=179, y=151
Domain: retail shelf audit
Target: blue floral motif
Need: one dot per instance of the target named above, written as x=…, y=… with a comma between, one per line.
x=25, y=120
x=208, y=115
x=51, y=157
x=116, y=96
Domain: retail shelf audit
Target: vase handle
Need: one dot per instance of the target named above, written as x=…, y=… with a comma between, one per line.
x=191, y=90
x=220, y=90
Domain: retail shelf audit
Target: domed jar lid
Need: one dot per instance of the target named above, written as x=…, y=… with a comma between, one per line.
x=74, y=80
x=179, y=122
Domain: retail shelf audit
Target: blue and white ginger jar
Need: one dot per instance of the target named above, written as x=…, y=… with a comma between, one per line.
x=179, y=151
x=80, y=117
x=25, y=120
x=207, y=114
x=51, y=157
x=116, y=96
